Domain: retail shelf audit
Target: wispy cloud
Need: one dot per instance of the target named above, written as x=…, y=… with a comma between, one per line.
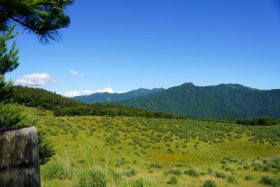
x=34, y=80
x=76, y=74
x=74, y=93
x=106, y=90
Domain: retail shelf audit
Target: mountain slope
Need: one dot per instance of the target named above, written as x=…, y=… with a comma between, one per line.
x=62, y=106
x=219, y=102
x=40, y=98
x=115, y=97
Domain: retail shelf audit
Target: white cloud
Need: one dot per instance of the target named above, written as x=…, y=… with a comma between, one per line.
x=106, y=90
x=34, y=80
x=74, y=93
x=76, y=74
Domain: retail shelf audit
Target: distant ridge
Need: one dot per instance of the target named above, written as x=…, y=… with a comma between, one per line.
x=115, y=97
x=217, y=102
x=63, y=106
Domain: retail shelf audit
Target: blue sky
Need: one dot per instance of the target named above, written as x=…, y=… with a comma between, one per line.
x=125, y=45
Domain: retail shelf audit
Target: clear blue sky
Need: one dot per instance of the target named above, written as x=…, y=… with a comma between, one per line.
x=127, y=44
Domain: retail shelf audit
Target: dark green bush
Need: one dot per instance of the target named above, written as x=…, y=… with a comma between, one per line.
x=209, y=183
x=270, y=181
x=264, y=121
x=46, y=149
x=249, y=177
x=192, y=172
x=176, y=172
x=232, y=179
x=172, y=180
x=154, y=165
x=111, y=110
x=210, y=171
x=220, y=175
x=130, y=173
x=13, y=116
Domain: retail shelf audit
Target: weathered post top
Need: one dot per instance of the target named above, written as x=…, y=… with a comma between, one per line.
x=19, y=158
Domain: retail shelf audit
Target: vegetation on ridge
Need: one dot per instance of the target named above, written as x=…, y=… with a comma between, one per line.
x=225, y=101
x=63, y=106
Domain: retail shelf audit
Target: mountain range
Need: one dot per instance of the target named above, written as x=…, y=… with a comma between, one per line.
x=115, y=97
x=215, y=102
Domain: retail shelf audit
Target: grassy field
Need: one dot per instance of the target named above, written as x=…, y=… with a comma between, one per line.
x=127, y=151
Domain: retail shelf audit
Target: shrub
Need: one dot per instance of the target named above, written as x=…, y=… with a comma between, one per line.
x=220, y=175
x=116, y=176
x=57, y=170
x=92, y=179
x=138, y=183
x=46, y=149
x=130, y=173
x=14, y=116
x=176, y=172
x=232, y=179
x=264, y=121
x=154, y=165
x=172, y=180
x=209, y=183
x=210, y=170
x=270, y=181
x=192, y=172
x=249, y=177
x=267, y=168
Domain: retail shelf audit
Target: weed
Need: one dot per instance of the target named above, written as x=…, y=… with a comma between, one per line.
x=57, y=170
x=92, y=179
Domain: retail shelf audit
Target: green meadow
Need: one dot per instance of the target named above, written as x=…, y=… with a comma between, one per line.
x=133, y=151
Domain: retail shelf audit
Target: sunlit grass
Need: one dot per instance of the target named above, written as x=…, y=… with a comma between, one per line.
x=130, y=151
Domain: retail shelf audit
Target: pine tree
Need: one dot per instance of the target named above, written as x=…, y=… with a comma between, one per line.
x=42, y=17
x=8, y=60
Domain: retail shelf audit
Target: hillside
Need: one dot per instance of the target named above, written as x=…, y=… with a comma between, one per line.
x=115, y=97
x=217, y=102
x=138, y=150
x=62, y=106
x=134, y=152
x=40, y=98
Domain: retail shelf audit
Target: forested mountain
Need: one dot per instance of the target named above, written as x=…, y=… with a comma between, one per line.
x=223, y=101
x=115, y=97
x=62, y=106
x=217, y=102
x=40, y=98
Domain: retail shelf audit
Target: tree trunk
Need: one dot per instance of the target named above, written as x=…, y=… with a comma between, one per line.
x=19, y=158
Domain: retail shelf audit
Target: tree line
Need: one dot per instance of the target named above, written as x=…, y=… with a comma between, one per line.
x=62, y=106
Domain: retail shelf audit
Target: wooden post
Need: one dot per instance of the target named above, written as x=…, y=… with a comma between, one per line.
x=19, y=158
